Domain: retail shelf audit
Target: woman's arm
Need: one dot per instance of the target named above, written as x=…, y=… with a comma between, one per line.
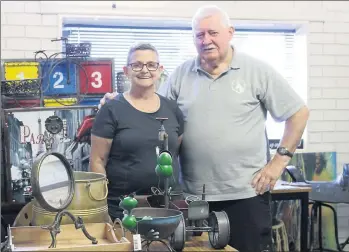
x=179, y=143
x=100, y=148
x=180, y=138
x=102, y=134
x=180, y=118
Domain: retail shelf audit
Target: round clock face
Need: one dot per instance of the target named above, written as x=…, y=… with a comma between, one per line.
x=54, y=124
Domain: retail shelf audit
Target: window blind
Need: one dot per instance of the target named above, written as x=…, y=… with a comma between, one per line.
x=175, y=45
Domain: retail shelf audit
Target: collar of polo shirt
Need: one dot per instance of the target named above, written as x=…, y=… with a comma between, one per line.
x=233, y=64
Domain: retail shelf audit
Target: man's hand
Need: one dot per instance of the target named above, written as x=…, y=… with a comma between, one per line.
x=106, y=97
x=294, y=128
x=269, y=174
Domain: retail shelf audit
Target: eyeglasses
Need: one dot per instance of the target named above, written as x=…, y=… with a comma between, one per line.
x=151, y=66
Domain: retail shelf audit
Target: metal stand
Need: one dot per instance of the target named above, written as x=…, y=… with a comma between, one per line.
x=54, y=227
x=153, y=236
x=147, y=243
x=166, y=193
x=316, y=213
x=163, y=138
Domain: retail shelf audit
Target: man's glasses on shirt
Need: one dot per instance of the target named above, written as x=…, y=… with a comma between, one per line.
x=137, y=66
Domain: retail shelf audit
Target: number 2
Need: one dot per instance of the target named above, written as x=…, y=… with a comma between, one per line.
x=58, y=82
x=98, y=78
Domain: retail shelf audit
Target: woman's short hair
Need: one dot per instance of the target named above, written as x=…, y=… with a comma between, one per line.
x=140, y=46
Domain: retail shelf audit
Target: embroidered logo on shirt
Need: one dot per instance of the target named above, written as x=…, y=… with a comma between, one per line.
x=238, y=86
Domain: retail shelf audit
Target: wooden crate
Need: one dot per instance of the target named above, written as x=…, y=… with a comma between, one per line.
x=69, y=239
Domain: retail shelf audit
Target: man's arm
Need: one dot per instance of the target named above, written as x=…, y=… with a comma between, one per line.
x=168, y=88
x=294, y=129
x=100, y=148
x=106, y=97
x=284, y=104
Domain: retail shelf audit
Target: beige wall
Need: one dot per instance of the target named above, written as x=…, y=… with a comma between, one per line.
x=29, y=26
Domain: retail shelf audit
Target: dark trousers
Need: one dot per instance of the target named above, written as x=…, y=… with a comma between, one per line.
x=114, y=210
x=250, y=222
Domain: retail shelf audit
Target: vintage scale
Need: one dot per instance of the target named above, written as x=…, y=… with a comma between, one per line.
x=168, y=223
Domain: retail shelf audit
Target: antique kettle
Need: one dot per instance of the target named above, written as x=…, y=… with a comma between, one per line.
x=56, y=187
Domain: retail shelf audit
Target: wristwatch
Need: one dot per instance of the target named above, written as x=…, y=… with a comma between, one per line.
x=284, y=152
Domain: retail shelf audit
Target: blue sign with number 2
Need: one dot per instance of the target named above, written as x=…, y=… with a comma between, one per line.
x=58, y=81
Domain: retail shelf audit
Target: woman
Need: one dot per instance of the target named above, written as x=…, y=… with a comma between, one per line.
x=125, y=132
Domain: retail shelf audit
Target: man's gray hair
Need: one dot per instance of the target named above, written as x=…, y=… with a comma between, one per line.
x=207, y=11
x=140, y=46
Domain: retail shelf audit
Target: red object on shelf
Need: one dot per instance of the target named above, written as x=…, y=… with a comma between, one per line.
x=85, y=127
x=21, y=103
x=99, y=75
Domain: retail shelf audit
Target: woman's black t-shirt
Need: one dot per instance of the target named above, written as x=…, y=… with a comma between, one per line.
x=132, y=158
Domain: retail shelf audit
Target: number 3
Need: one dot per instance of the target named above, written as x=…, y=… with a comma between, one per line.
x=98, y=78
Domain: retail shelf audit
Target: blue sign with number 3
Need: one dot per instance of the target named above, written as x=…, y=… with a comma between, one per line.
x=57, y=81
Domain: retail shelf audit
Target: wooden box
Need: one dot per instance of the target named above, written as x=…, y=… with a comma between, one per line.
x=69, y=239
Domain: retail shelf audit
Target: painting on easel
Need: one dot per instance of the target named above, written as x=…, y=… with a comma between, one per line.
x=316, y=166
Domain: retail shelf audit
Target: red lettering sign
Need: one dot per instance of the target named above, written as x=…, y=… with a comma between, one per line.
x=27, y=136
x=99, y=77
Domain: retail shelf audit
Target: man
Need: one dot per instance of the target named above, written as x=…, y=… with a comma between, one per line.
x=225, y=96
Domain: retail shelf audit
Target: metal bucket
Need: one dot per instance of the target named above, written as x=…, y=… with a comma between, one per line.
x=89, y=201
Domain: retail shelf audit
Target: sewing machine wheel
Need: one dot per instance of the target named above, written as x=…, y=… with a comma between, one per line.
x=219, y=235
x=25, y=216
x=177, y=239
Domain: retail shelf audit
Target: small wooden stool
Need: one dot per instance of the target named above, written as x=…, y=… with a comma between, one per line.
x=280, y=239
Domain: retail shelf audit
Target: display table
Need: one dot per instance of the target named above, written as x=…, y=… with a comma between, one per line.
x=197, y=243
x=295, y=191
x=201, y=243
x=290, y=187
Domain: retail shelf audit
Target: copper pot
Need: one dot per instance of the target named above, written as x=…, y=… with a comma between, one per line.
x=89, y=201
